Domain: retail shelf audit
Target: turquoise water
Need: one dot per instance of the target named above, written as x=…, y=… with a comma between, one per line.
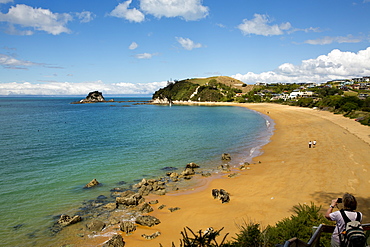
x=50, y=149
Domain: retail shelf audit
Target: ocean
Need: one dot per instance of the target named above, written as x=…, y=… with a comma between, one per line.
x=50, y=149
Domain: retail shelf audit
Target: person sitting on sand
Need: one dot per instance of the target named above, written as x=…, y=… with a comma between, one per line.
x=349, y=206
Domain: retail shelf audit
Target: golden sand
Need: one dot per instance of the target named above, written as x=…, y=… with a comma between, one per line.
x=288, y=173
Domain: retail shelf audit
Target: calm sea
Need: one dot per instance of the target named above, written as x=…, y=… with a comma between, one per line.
x=50, y=149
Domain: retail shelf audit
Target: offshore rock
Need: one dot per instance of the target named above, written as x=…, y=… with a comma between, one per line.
x=94, y=97
x=226, y=156
x=92, y=183
x=115, y=241
x=147, y=220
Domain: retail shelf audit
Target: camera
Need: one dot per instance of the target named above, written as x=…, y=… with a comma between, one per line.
x=339, y=200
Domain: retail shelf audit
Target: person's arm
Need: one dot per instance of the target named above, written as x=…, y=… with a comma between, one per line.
x=330, y=209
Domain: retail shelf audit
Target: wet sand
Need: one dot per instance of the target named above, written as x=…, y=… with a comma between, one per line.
x=288, y=173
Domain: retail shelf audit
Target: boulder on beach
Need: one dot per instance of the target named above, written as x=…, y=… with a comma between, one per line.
x=115, y=241
x=145, y=208
x=151, y=236
x=92, y=183
x=128, y=227
x=147, y=220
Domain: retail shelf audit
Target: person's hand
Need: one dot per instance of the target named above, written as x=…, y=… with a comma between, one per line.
x=334, y=202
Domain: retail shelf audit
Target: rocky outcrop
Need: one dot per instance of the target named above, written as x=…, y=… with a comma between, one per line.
x=150, y=186
x=92, y=183
x=66, y=220
x=95, y=96
x=115, y=241
x=95, y=225
x=145, y=208
x=147, y=220
x=128, y=227
x=130, y=200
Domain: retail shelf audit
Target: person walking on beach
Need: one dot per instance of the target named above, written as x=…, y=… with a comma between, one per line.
x=349, y=207
x=314, y=143
x=309, y=144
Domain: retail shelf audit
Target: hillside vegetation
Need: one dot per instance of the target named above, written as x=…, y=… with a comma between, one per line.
x=217, y=88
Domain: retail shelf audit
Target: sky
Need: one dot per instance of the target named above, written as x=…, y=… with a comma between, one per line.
x=73, y=47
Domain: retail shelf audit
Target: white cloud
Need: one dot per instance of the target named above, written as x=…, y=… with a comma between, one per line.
x=68, y=88
x=37, y=18
x=259, y=26
x=190, y=10
x=85, y=16
x=9, y=62
x=334, y=65
x=145, y=55
x=133, y=46
x=6, y=1
x=132, y=15
x=329, y=40
x=187, y=43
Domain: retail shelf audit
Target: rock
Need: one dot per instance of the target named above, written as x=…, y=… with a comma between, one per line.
x=221, y=194
x=232, y=175
x=215, y=193
x=224, y=196
x=159, y=192
x=92, y=183
x=145, y=208
x=154, y=202
x=162, y=206
x=151, y=236
x=174, y=209
x=188, y=171
x=225, y=167
x=133, y=200
x=115, y=241
x=168, y=168
x=192, y=165
x=244, y=166
x=128, y=227
x=226, y=156
x=95, y=225
x=147, y=220
x=66, y=220
x=94, y=97
x=110, y=206
x=206, y=174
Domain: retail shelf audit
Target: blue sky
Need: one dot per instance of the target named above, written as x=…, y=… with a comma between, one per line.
x=136, y=46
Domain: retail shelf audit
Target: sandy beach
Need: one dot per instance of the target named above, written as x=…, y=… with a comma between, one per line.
x=288, y=173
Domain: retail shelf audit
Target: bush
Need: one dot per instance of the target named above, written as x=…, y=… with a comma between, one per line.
x=299, y=225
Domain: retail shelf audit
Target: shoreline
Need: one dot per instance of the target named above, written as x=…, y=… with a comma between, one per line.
x=264, y=193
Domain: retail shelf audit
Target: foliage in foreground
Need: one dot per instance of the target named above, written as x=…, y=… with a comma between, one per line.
x=299, y=225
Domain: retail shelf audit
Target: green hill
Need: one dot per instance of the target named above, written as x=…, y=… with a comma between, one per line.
x=215, y=89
